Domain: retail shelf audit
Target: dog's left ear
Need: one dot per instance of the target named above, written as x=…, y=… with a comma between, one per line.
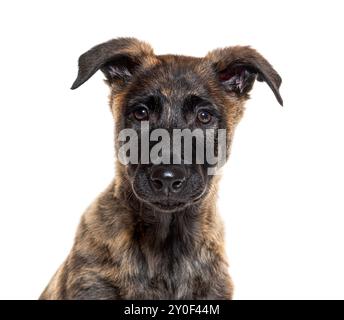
x=118, y=59
x=238, y=67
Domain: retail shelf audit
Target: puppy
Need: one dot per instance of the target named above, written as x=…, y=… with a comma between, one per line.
x=154, y=233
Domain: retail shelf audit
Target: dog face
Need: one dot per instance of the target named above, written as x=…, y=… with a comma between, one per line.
x=172, y=94
x=175, y=93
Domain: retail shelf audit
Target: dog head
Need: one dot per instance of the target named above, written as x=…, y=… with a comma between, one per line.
x=172, y=93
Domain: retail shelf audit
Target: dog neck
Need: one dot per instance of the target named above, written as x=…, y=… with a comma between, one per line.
x=158, y=229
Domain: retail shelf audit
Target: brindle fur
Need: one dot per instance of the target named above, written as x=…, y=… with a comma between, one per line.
x=124, y=248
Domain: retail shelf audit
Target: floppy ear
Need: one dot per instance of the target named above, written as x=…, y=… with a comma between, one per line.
x=238, y=67
x=118, y=59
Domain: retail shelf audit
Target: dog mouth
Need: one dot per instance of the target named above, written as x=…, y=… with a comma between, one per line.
x=168, y=199
x=169, y=205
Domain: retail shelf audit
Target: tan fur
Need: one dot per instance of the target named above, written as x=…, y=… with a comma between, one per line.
x=123, y=248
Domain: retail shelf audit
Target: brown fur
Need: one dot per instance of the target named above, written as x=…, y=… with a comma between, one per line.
x=123, y=248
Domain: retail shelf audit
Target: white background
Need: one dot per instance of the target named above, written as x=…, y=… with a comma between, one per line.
x=282, y=192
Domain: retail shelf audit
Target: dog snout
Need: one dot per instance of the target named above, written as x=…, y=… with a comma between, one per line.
x=167, y=179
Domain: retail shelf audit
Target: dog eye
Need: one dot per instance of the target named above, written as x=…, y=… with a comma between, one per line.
x=204, y=116
x=141, y=114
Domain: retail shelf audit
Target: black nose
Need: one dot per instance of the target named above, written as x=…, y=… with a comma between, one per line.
x=167, y=179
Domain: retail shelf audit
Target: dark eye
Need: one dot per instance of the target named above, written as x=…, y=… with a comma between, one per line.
x=141, y=114
x=204, y=116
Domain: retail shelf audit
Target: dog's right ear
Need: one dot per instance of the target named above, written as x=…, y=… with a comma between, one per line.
x=118, y=59
x=238, y=67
